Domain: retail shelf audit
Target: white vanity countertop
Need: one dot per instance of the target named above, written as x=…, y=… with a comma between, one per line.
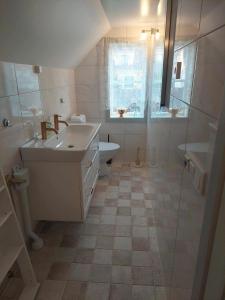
x=73, y=140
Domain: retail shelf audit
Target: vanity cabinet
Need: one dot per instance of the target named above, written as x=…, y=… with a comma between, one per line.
x=62, y=190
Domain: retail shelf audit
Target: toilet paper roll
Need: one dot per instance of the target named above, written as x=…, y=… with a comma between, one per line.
x=78, y=119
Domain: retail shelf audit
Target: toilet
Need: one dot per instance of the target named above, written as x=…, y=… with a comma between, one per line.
x=107, y=151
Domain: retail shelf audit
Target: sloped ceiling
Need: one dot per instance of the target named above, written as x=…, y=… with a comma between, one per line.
x=60, y=33
x=55, y=33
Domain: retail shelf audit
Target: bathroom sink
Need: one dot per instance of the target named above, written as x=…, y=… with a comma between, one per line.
x=69, y=145
x=194, y=147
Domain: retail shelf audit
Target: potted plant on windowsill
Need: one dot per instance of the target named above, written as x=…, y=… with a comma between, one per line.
x=121, y=112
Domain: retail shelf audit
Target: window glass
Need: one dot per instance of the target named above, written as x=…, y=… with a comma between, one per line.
x=127, y=79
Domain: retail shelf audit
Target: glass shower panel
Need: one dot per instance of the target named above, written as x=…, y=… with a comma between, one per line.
x=198, y=151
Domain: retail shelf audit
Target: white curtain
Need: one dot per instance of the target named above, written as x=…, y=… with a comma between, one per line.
x=142, y=52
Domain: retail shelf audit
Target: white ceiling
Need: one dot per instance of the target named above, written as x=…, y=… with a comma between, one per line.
x=60, y=33
x=129, y=12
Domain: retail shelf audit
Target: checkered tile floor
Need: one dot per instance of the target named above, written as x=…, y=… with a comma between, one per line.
x=114, y=254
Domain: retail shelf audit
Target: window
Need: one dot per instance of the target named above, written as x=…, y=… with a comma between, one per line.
x=156, y=86
x=127, y=79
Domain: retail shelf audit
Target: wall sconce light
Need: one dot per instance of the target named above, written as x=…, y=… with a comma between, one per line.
x=146, y=33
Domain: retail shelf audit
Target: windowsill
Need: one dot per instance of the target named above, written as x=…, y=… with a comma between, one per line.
x=126, y=120
x=165, y=115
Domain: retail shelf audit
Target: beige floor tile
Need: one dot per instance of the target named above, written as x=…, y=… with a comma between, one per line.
x=86, y=241
x=64, y=254
x=162, y=293
x=108, y=219
x=84, y=256
x=123, y=230
x=122, y=243
x=120, y=292
x=140, y=244
x=123, y=220
x=59, y=271
x=102, y=256
x=75, y=290
x=98, y=291
x=79, y=272
x=143, y=292
x=124, y=211
x=104, y=242
x=142, y=276
x=121, y=274
x=100, y=273
x=141, y=258
x=122, y=257
x=140, y=231
x=51, y=290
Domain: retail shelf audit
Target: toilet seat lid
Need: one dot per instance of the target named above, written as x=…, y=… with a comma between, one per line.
x=103, y=146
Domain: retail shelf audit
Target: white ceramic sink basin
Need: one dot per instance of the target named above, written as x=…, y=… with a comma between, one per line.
x=69, y=145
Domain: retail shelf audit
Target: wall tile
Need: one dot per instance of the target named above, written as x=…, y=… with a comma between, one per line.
x=8, y=84
x=52, y=101
x=51, y=78
x=178, y=39
x=91, y=58
x=90, y=109
x=132, y=142
x=200, y=130
x=135, y=128
x=188, y=21
x=159, y=132
x=27, y=80
x=213, y=15
x=209, y=83
x=87, y=92
x=181, y=88
x=30, y=101
x=11, y=137
x=10, y=109
x=86, y=75
x=114, y=128
x=178, y=135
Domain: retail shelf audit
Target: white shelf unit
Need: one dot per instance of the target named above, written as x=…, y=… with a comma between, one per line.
x=12, y=245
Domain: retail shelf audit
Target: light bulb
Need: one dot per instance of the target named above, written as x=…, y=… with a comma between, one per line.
x=144, y=8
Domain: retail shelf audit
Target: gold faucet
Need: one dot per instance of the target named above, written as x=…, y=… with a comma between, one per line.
x=57, y=121
x=45, y=128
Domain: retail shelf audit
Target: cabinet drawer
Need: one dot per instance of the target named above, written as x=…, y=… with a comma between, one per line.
x=90, y=180
x=87, y=161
